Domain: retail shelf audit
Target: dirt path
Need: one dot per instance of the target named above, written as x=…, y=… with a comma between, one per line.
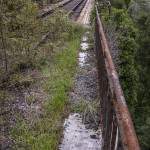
x=81, y=130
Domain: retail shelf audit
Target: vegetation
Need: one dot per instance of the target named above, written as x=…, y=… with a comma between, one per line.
x=24, y=49
x=131, y=22
x=19, y=34
x=45, y=132
x=49, y=46
x=143, y=59
x=41, y=3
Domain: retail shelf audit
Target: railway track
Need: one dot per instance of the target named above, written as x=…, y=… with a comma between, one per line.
x=117, y=127
x=72, y=4
x=74, y=8
x=50, y=9
x=77, y=9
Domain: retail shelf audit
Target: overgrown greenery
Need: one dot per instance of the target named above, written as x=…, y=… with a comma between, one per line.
x=19, y=30
x=143, y=60
x=45, y=133
x=22, y=48
x=126, y=37
x=46, y=2
x=132, y=28
x=120, y=3
x=21, y=33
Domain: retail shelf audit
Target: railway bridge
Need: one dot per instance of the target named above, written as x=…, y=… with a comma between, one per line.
x=117, y=127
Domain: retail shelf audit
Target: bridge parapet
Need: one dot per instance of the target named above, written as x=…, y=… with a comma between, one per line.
x=117, y=126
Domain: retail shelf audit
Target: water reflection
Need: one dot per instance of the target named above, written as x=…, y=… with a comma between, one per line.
x=77, y=137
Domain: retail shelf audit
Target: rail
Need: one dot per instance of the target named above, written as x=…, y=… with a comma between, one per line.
x=51, y=9
x=117, y=127
x=75, y=7
x=60, y=4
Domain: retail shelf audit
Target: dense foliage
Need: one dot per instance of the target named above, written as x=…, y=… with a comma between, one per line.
x=143, y=60
x=130, y=19
x=21, y=32
x=35, y=75
x=126, y=37
x=41, y=3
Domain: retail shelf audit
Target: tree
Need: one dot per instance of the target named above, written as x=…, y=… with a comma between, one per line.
x=139, y=11
x=18, y=32
x=138, y=8
x=127, y=2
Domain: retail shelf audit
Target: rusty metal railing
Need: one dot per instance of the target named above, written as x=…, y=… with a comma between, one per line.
x=117, y=127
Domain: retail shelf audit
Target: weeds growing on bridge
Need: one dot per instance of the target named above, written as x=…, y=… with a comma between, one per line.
x=35, y=74
x=45, y=133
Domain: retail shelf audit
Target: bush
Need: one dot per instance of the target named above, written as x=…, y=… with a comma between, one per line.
x=133, y=41
x=118, y=3
x=126, y=37
x=128, y=45
x=23, y=34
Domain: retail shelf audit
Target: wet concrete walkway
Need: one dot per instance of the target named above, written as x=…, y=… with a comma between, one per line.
x=78, y=135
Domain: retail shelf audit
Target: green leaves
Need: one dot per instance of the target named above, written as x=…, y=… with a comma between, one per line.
x=139, y=8
x=133, y=38
x=23, y=33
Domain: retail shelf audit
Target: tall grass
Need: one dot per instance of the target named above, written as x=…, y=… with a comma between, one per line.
x=46, y=132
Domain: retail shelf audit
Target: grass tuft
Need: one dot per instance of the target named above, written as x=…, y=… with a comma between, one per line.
x=45, y=132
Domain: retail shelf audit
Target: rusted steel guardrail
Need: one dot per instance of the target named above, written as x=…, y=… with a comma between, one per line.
x=117, y=127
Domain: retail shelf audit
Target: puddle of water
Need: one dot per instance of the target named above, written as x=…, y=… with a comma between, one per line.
x=82, y=58
x=77, y=137
x=84, y=38
x=83, y=55
x=84, y=46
